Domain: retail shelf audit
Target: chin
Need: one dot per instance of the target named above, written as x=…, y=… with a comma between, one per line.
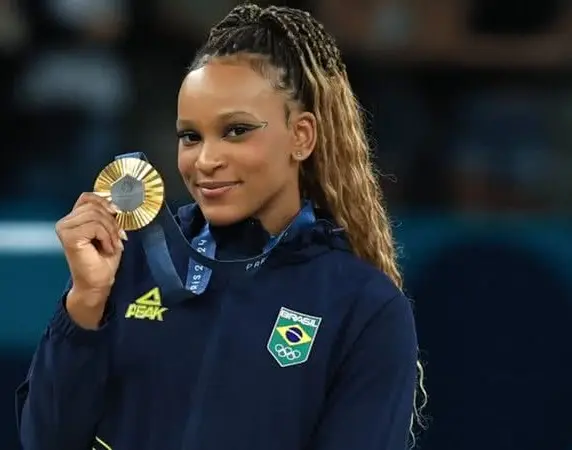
x=223, y=215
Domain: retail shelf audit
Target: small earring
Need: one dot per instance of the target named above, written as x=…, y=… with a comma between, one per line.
x=299, y=155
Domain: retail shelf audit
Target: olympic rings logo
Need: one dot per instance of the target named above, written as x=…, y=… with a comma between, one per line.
x=287, y=352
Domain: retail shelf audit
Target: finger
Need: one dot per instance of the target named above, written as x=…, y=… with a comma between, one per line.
x=89, y=198
x=94, y=232
x=106, y=242
x=92, y=198
x=89, y=212
x=94, y=213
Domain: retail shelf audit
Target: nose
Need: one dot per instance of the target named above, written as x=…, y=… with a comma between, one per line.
x=209, y=159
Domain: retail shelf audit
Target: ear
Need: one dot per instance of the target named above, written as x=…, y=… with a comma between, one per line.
x=304, y=134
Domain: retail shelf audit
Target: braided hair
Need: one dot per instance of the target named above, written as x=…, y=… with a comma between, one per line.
x=339, y=176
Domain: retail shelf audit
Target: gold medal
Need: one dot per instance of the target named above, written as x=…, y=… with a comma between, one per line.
x=135, y=187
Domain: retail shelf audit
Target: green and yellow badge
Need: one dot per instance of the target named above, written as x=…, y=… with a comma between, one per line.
x=292, y=337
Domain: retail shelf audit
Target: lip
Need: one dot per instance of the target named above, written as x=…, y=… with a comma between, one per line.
x=215, y=189
x=215, y=184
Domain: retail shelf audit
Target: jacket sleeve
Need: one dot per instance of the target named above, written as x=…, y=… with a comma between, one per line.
x=370, y=404
x=61, y=400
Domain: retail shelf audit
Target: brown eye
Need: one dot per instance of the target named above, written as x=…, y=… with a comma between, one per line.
x=188, y=138
x=238, y=130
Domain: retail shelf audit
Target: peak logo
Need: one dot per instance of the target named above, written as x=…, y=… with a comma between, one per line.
x=147, y=307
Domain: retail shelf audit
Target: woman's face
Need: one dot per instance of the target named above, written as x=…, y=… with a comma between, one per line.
x=238, y=154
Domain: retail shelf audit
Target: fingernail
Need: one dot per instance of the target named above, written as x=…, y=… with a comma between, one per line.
x=114, y=208
x=123, y=235
x=120, y=245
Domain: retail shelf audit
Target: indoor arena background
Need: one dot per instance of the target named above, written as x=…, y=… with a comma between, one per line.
x=470, y=112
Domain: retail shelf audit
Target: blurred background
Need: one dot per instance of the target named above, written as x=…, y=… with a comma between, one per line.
x=470, y=113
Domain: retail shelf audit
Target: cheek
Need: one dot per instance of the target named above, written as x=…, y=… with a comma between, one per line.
x=186, y=162
x=264, y=164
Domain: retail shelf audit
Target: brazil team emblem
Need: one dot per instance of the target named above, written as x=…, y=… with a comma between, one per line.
x=292, y=337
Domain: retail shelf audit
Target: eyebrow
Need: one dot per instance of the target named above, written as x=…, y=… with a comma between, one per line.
x=182, y=123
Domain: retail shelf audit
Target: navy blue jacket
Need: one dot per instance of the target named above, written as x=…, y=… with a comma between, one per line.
x=316, y=351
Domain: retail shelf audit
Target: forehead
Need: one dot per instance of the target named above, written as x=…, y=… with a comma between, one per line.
x=218, y=86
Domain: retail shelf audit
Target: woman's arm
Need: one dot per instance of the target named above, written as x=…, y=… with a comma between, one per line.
x=61, y=401
x=371, y=402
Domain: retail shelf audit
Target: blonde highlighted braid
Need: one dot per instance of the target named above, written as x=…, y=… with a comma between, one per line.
x=339, y=176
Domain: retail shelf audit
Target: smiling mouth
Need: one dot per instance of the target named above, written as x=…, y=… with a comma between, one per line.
x=215, y=184
x=211, y=190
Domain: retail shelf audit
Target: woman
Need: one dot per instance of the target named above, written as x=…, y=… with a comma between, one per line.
x=316, y=350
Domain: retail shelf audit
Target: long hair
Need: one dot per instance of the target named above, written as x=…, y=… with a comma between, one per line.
x=339, y=176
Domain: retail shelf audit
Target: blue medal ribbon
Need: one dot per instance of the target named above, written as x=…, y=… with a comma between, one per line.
x=202, y=251
x=198, y=275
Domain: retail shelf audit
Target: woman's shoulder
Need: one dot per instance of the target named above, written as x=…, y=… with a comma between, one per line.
x=361, y=275
x=340, y=280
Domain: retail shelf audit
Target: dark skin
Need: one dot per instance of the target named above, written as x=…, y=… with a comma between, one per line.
x=238, y=153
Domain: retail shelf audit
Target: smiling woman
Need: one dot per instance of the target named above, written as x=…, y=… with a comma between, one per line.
x=317, y=350
x=238, y=154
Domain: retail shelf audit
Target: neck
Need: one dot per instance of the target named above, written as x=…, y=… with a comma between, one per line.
x=279, y=212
